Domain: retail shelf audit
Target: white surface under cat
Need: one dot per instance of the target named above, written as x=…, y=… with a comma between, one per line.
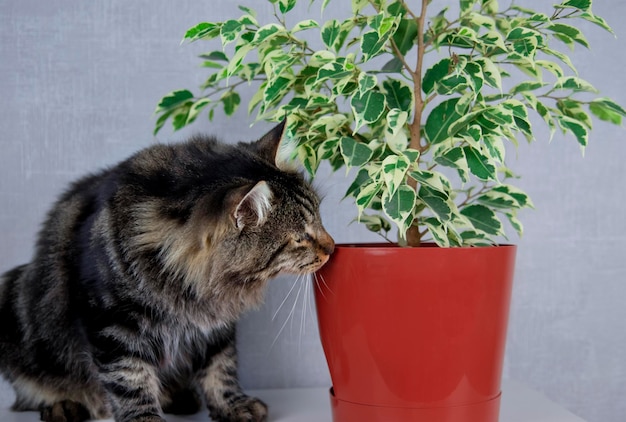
x=519, y=404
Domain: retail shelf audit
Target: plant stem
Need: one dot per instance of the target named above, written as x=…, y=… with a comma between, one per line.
x=413, y=235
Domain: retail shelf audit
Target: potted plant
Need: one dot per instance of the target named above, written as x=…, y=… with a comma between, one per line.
x=410, y=333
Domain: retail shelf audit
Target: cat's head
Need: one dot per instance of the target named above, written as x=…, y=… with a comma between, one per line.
x=275, y=223
x=252, y=215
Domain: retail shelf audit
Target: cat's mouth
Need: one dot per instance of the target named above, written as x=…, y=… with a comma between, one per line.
x=311, y=267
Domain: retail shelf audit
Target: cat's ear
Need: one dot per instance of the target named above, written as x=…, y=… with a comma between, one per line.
x=254, y=207
x=278, y=147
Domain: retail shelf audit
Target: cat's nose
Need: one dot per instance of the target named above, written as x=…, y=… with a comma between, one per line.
x=326, y=242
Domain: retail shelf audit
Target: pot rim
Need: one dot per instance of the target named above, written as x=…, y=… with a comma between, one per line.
x=389, y=245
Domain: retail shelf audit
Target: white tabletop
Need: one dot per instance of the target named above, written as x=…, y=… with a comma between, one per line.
x=519, y=404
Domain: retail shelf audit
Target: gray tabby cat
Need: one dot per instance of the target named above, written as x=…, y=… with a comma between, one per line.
x=140, y=274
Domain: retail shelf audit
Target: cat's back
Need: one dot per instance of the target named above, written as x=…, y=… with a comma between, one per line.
x=201, y=161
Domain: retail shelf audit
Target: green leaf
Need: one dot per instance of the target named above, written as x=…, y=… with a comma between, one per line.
x=440, y=119
x=499, y=116
x=328, y=148
x=334, y=71
x=577, y=128
x=374, y=223
x=358, y=5
x=574, y=83
x=308, y=157
x=230, y=31
x=467, y=5
x=584, y=5
x=360, y=180
x=367, y=194
x=573, y=109
x=597, y=20
x=436, y=203
x=483, y=219
x=367, y=108
x=394, y=171
x=436, y=181
x=328, y=126
x=380, y=23
x=455, y=158
x=478, y=20
x=179, y=116
x=174, y=99
x=398, y=95
x=277, y=89
x=196, y=108
x=475, y=71
x=563, y=57
x=570, y=32
x=366, y=82
x=492, y=74
x=520, y=116
x=438, y=231
x=523, y=200
x=515, y=223
x=607, y=110
x=498, y=200
x=330, y=32
x=396, y=120
x=204, y=30
x=161, y=121
x=394, y=65
x=406, y=35
x=492, y=42
x=434, y=74
x=527, y=86
x=473, y=238
x=304, y=25
x=395, y=135
x=479, y=164
x=372, y=44
x=234, y=66
x=215, y=55
x=355, y=154
x=495, y=147
x=286, y=5
x=525, y=41
x=231, y=101
x=399, y=206
x=247, y=10
x=490, y=7
x=552, y=67
x=266, y=33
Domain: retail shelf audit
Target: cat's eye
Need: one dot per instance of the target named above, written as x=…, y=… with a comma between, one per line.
x=305, y=237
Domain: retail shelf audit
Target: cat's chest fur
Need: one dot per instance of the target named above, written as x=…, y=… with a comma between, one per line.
x=178, y=345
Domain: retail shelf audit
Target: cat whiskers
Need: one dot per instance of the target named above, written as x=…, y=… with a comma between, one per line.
x=307, y=298
x=303, y=281
x=319, y=277
x=293, y=307
x=293, y=286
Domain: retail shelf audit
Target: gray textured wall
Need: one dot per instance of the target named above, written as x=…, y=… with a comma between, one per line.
x=79, y=81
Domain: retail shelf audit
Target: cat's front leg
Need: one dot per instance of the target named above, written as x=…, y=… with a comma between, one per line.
x=225, y=399
x=133, y=387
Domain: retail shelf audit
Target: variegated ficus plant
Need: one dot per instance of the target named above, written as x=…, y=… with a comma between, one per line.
x=426, y=143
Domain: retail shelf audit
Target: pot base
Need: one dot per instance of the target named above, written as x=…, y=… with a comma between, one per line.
x=343, y=411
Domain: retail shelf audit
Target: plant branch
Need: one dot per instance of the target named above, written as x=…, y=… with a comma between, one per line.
x=415, y=127
x=413, y=235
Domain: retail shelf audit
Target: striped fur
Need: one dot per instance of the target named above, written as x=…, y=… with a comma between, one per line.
x=140, y=273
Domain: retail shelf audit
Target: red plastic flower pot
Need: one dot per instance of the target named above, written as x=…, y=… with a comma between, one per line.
x=415, y=334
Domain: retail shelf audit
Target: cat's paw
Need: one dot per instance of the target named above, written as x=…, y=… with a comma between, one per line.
x=64, y=411
x=241, y=409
